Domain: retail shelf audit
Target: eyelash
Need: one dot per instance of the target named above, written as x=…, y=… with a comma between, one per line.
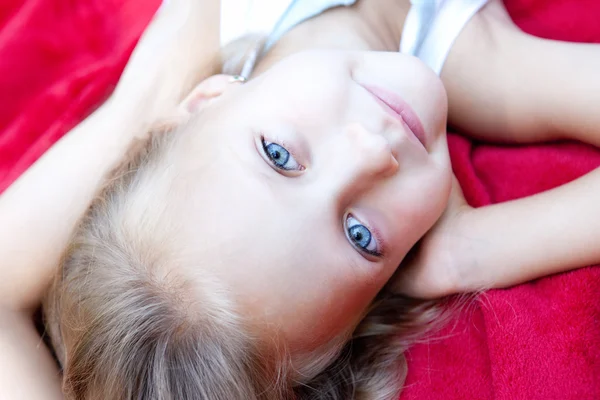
x=286, y=147
x=375, y=235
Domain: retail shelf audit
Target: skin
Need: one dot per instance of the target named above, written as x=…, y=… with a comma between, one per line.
x=96, y=146
x=352, y=163
x=524, y=82
x=33, y=233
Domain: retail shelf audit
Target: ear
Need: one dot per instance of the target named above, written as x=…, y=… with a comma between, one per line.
x=208, y=90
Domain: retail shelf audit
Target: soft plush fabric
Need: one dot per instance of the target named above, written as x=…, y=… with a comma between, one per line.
x=540, y=340
x=60, y=58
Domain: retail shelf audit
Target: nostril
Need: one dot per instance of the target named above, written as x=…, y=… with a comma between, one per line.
x=362, y=134
x=382, y=145
x=374, y=148
x=394, y=140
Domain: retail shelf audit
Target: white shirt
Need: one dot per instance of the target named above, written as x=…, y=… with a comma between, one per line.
x=430, y=29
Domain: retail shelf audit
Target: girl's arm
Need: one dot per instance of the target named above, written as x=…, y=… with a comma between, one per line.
x=38, y=213
x=524, y=239
x=40, y=210
x=507, y=86
x=27, y=370
x=505, y=244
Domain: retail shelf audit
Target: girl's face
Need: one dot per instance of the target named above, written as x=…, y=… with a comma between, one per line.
x=307, y=186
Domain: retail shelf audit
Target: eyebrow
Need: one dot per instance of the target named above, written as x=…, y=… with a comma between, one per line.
x=262, y=175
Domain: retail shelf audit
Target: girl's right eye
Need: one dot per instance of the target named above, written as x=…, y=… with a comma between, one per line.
x=361, y=237
x=280, y=157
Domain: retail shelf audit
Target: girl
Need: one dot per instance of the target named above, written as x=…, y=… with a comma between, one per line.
x=234, y=256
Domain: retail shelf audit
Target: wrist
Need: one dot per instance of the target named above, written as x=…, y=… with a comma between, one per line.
x=467, y=260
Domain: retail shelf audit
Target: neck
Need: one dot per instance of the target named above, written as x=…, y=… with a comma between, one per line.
x=367, y=25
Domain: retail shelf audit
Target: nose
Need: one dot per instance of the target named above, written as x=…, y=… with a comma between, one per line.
x=361, y=159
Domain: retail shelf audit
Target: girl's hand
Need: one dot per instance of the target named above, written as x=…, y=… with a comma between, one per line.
x=435, y=267
x=505, y=244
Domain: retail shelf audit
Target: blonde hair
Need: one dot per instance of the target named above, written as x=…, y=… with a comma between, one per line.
x=125, y=325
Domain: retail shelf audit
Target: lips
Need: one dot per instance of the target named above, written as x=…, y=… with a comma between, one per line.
x=400, y=109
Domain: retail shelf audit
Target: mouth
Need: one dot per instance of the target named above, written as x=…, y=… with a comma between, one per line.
x=401, y=110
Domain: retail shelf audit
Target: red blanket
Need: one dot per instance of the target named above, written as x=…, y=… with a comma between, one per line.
x=60, y=58
x=540, y=340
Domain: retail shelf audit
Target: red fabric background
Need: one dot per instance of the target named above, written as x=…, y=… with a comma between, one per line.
x=60, y=58
x=540, y=340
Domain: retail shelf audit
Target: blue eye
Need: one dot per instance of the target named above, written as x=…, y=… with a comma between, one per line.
x=360, y=236
x=280, y=157
x=278, y=154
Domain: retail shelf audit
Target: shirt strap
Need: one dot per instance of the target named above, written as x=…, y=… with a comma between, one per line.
x=432, y=26
x=298, y=11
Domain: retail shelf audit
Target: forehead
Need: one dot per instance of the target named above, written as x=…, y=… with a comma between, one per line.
x=230, y=199
x=278, y=249
x=245, y=232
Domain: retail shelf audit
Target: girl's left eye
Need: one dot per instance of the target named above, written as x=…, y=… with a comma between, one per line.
x=280, y=157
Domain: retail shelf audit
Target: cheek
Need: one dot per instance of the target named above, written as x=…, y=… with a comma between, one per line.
x=317, y=105
x=411, y=205
x=429, y=99
x=313, y=96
